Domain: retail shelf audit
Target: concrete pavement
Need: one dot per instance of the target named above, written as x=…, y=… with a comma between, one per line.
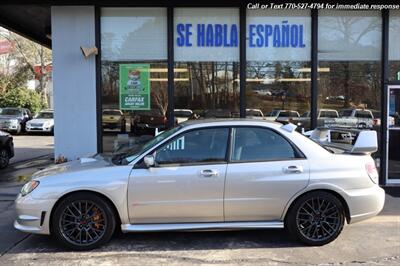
x=31, y=146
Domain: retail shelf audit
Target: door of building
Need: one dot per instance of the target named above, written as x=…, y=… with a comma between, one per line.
x=393, y=135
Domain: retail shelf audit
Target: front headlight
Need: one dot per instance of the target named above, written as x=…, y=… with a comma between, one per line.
x=29, y=187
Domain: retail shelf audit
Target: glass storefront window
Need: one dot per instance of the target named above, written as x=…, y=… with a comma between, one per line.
x=349, y=52
x=134, y=75
x=278, y=81
x=394, y=45
x=206, y=69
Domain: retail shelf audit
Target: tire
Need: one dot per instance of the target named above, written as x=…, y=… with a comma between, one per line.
x=362, y=126
x=79, y=233
x=4, y=158
x=316, y=218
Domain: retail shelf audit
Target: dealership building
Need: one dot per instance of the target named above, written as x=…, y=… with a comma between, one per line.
x=123, y=70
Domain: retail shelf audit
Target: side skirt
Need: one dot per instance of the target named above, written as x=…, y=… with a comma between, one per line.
x=126, y=228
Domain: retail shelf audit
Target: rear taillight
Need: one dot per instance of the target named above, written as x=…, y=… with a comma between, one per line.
x=372, y=172
x=377, y=122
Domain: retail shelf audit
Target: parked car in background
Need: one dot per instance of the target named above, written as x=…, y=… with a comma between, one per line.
x=113, y=119
x=207, y=175
x=283, y=116
x=6, y=149
x=323, y=115
x=353, y=118
x=13, y=119
x=146, y=122
x=181, y=115
x=42, y=122
x=254, y=113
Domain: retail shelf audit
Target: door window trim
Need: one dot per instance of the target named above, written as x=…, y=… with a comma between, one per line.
x=298, y=153
x=140, y=164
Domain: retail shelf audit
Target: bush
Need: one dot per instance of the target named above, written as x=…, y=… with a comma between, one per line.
x=23, y=98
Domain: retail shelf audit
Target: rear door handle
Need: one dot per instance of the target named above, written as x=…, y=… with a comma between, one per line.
x=208, y=173
x=295, y=169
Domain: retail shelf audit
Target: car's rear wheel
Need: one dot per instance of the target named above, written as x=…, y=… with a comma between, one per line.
x=83, y=221
x=4, y=158
x=316, y=218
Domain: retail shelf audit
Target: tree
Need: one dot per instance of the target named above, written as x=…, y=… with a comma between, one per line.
x=22, y=97
x=25, y=56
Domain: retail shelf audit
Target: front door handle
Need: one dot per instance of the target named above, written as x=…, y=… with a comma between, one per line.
x=208, y=173
x=294, y=169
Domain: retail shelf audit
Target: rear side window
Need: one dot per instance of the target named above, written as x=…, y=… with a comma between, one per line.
x=260, y=144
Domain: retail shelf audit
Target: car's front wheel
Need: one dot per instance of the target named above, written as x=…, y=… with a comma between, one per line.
x=4, y=158
x=83, y=221
x=316, y=218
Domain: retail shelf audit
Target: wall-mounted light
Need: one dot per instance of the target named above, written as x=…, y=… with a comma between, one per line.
x=89, y=51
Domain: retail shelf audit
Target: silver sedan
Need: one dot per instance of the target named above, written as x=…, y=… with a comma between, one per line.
x=210, y=175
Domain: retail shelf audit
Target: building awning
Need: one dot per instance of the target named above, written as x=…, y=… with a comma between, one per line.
x=32, y=18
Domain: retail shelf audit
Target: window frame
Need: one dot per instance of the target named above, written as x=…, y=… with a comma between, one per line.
x=140, y=163
x=299, y=155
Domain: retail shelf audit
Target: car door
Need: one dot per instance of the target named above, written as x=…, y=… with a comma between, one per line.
x=187, y=182
x=264, y=172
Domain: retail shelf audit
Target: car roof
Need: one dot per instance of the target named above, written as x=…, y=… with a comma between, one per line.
x=229, y=122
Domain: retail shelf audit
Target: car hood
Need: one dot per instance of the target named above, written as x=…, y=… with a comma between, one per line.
x=82, y=164
x=41, y=120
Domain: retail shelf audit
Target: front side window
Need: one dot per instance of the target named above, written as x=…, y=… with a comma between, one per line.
x=197, y=146
x=260, y=144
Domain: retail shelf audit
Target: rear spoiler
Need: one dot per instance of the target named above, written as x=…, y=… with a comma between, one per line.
x=366, y=141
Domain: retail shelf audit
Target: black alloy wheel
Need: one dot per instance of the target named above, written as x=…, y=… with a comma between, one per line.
x=316, y=218
x=83, y=221
x=4, y=158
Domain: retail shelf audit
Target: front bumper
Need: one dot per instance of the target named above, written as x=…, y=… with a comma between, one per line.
x=365, y=203
x=33, y=215
x=39, y=129
x=9, y=127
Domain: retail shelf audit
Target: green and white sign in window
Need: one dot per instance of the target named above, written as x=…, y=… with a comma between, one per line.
x=134, y=86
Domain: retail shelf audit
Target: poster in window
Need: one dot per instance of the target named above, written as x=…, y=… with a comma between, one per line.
x=134, y=86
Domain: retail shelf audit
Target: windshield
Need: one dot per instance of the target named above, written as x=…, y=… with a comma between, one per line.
x=346, y=112
x=111, y=112
x=130, y=154
x=45, y=115
x=306, y=114
x=9, y=111
x=273, y=113
x=182, y=113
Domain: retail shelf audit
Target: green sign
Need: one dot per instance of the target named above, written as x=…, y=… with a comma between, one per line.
x=134, y=87
x=398, y=75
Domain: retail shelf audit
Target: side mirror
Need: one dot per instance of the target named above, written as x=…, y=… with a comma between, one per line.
x=149, y=160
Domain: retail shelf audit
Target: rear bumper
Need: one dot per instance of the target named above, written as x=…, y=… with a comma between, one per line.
x=365, y=203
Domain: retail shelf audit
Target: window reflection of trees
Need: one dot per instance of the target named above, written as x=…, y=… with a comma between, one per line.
x=350, y=46
x=278, y=85
x=207, y=85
